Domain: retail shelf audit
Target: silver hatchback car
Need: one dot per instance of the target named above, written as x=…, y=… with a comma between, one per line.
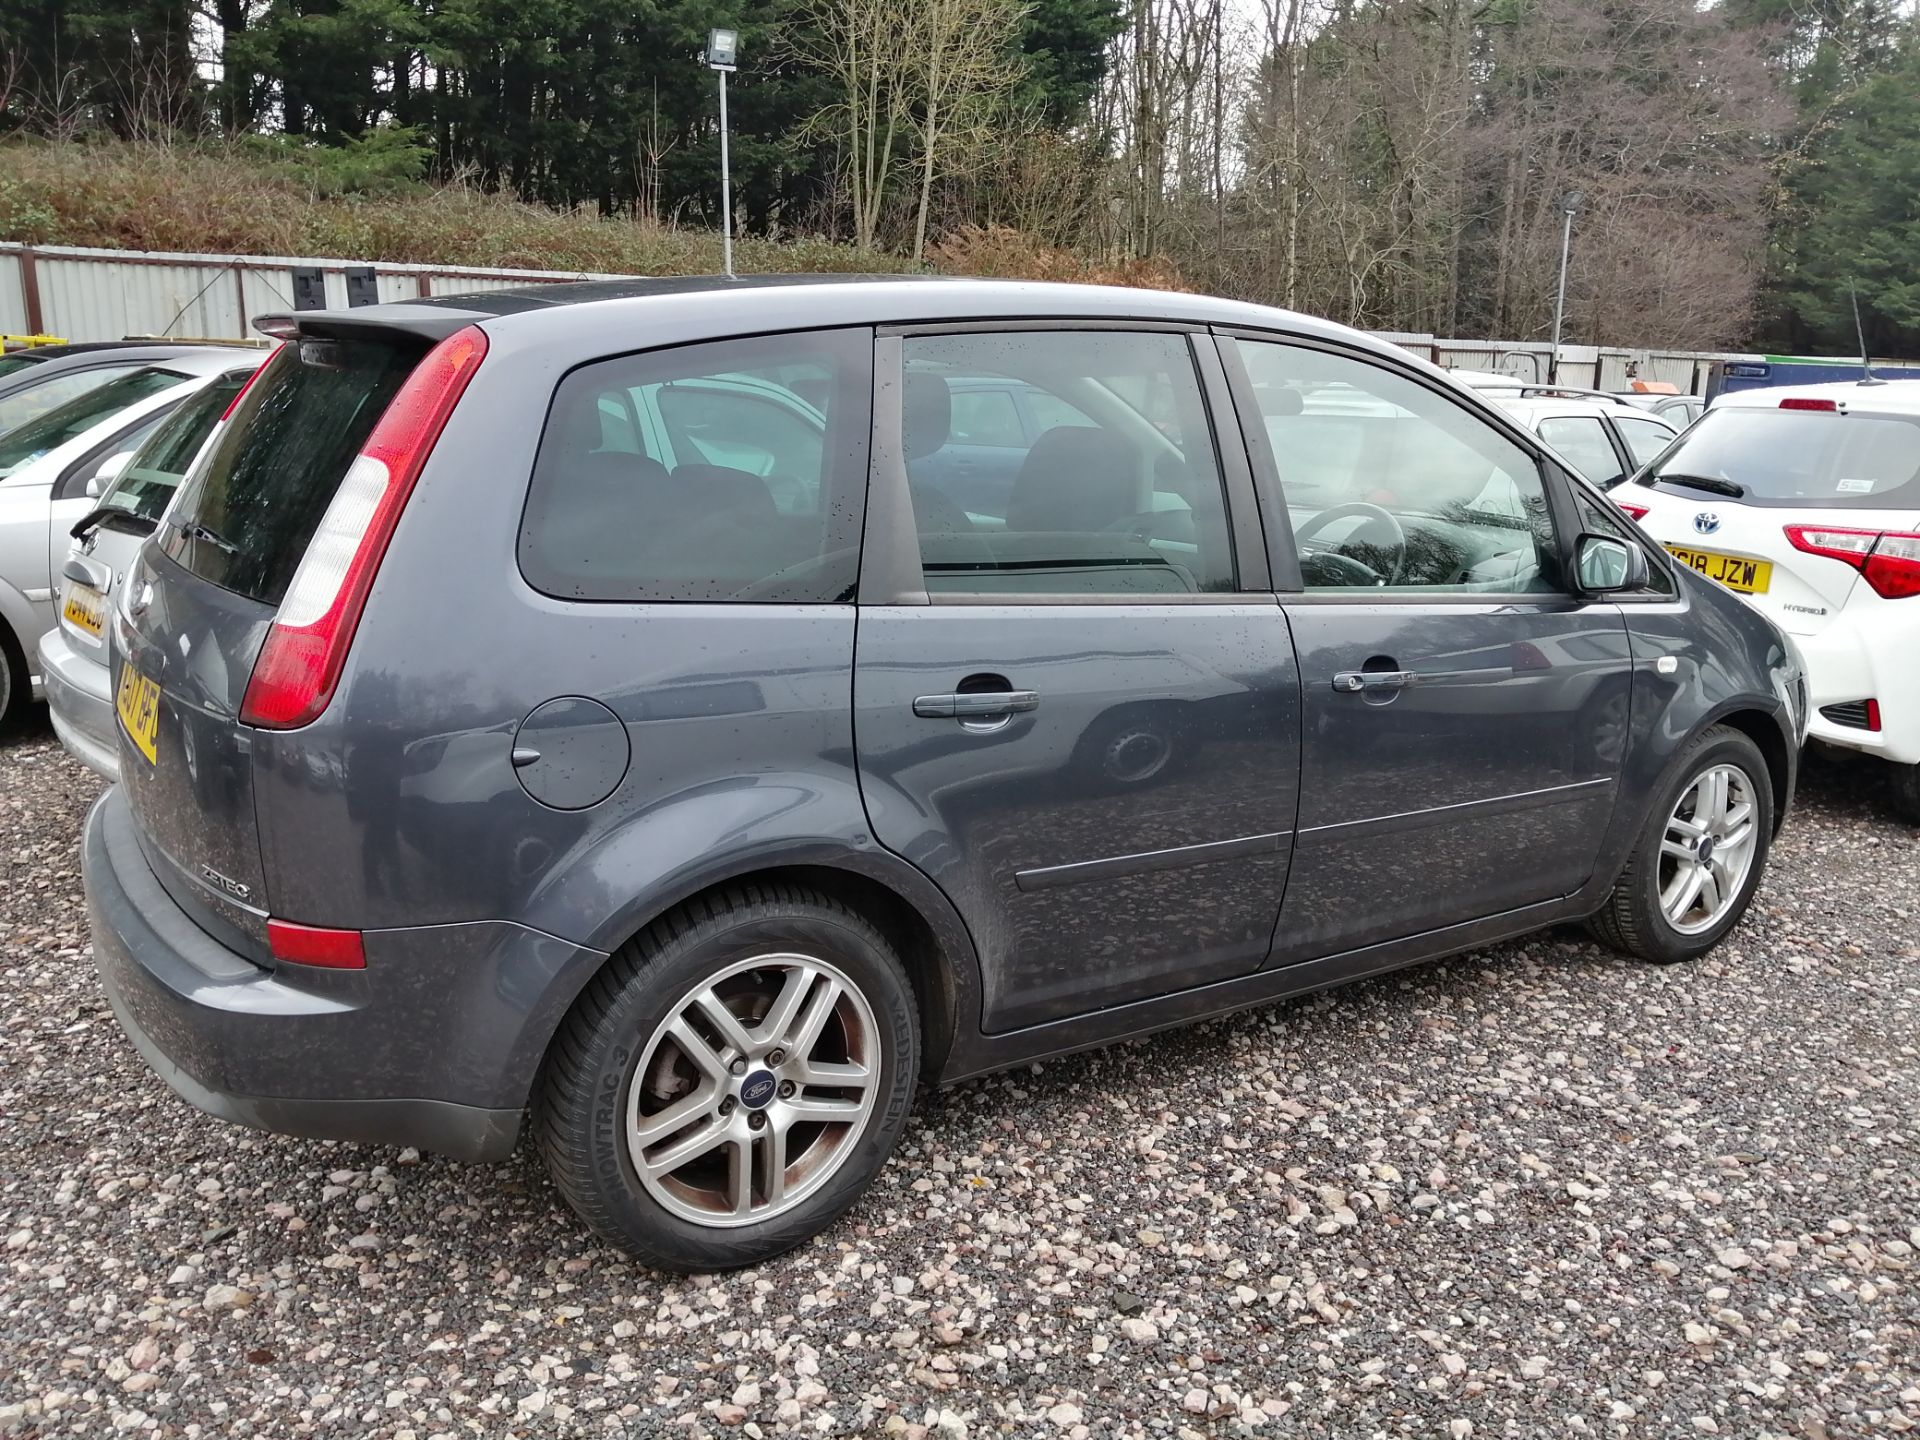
x=51, y=476
x=137, y=487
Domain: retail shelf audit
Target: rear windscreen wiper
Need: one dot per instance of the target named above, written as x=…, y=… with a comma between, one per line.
x=1712, y=484
x=117, y=516
x=194, y=530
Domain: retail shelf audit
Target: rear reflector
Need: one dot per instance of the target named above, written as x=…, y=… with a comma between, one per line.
x=1632, y=512
x=1794, y=403
x=300, y=662
x=1854, y=714
x=316, y=945
x=1889, y=559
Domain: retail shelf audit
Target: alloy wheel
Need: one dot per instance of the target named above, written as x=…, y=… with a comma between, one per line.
x=753, y=1091
x=1708, y=849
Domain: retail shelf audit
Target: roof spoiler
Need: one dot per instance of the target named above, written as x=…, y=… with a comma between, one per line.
x=429, y=323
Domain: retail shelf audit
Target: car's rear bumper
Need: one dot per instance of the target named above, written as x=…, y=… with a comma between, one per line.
x=76, y=689
x=1866, y=653
x=435, y=1044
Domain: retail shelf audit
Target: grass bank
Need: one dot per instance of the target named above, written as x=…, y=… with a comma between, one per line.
x=263, y=200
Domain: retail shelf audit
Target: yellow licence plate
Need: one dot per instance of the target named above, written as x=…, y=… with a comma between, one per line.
x=84, y=607
x=138, y=704
x=1750, y=577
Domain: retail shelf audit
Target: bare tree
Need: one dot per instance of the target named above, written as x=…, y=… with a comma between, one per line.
x=866, y=48
x=962, y=68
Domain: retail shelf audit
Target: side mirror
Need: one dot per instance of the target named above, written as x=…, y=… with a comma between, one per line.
x=1606, y=566
x=102, y=479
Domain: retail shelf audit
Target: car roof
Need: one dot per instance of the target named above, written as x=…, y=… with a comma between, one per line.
x=1893, y=397
x=56, y=459
x=682, y=307
x=1552, y=407
x=86, y=357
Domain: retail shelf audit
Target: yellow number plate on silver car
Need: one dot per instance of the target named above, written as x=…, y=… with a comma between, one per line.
x=85, y=609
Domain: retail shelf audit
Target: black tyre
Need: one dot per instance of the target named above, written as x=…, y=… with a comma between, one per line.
x=1906, y=792
x=15, y=693
x=1700, y=856
x=731, y=1081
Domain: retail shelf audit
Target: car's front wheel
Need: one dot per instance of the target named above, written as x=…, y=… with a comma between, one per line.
x=1699, y=857
x=729, y=1084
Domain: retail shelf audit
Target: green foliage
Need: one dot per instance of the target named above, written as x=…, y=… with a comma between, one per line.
x=1853, y=220
x=385, y=161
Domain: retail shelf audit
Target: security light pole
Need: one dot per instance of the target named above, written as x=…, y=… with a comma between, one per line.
x=1569, y=207
x=722, y=48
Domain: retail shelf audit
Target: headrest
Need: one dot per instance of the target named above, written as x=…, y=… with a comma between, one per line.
x=1279, y=400
x=722, y=488
x=1074, y=478
x=927, y=414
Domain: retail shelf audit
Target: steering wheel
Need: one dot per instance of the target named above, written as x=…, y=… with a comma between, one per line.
x=1375, y=518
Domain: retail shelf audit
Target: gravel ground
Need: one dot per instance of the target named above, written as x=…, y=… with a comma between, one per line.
x=1530, y=1191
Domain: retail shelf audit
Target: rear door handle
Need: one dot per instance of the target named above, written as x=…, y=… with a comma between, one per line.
x=975, y=705
x=1355, y=682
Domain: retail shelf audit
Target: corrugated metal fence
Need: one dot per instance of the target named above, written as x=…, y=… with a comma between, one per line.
x=81, y=294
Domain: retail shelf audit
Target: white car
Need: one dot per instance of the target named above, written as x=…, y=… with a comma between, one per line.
x=1603, y=437
x=1806, y=500
x=52, y=471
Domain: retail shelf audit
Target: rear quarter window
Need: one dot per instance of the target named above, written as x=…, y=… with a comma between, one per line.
x=244, y=519
x=734, y=471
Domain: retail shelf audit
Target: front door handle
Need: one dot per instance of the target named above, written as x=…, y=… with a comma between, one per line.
x=1356, y=682
x=975, y=705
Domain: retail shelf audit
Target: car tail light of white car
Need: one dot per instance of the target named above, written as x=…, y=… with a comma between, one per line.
x=1888, y=559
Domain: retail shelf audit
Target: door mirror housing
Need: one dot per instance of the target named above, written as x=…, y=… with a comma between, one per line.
x=102, y=479
x=1604, y=565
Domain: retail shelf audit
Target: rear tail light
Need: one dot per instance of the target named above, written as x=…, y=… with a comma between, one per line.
x=300, y=662
x=1889, y=559
x=1632, y=512
x=316, y=945
x=1792, y=403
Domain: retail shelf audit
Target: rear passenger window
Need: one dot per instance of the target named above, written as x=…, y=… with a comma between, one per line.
x=1644, y=438
x=734, y=471
x=1121, y=497
x=1582, y=439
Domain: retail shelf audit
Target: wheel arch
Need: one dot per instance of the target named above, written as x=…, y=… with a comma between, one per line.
x=925, y=931
x=1763, y=728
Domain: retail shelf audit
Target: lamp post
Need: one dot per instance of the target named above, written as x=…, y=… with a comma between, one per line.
x=1569, y=207
x=723, y=47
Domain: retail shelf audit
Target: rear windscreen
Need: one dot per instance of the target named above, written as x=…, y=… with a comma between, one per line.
x=1789, y=457
x=243, y=521
x=12, y=364
x=55, y=427
x=157, y=467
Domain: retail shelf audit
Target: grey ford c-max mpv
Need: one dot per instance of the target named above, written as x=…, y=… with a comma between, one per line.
x=587, y=704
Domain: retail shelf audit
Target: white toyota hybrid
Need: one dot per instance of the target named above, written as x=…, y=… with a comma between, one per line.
x=1806, y=500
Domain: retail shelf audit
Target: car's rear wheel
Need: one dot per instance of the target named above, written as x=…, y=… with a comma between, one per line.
x=1699, y=857
x=1906, y=792
x=15, y=692
x=733, y=1079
